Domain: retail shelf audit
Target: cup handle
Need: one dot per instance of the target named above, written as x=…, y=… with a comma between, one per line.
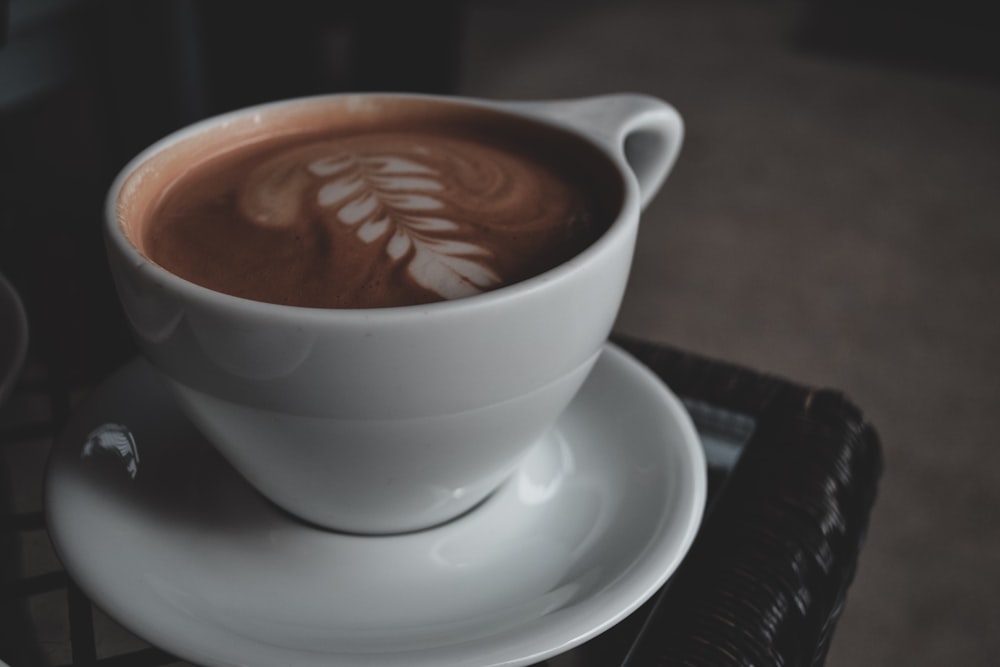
x=644, y=131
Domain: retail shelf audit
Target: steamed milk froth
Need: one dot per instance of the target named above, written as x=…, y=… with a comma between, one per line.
x=363, y=217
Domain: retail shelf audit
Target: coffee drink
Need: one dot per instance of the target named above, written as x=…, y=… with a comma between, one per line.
x=344, y=410
x=410, y=203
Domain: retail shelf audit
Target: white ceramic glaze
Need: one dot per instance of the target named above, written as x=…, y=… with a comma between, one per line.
x=162, y=534
x=394, y=419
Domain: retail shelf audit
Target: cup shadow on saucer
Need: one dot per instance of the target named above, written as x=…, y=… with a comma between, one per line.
x=154, y=461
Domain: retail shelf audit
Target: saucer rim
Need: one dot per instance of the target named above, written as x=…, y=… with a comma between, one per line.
x=647, y=571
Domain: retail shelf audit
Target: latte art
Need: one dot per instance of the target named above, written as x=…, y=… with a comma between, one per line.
x=390, y=190
x=373, y=218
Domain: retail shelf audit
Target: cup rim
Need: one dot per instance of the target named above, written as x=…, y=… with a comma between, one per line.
x=117, y=239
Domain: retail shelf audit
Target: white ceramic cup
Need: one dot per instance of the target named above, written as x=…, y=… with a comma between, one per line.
x=393, y=419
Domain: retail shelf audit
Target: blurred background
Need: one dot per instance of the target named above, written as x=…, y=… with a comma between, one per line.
x=834, y=217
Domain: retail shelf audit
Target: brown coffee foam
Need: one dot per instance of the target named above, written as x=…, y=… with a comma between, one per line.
x=309, y=263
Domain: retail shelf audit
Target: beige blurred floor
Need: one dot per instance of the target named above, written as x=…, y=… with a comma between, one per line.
x=835, y=221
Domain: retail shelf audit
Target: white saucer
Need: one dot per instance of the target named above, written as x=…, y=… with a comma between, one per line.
x=188, y=556
x=13, y=337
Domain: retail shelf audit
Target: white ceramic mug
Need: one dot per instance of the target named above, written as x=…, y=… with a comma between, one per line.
x=394, y=419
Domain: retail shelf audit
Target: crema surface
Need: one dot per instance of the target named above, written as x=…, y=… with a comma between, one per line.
x=371, y=219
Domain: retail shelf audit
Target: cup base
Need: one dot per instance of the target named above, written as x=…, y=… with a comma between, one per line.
x=379, y=477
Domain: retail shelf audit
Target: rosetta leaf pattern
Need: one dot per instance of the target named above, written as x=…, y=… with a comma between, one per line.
x=398, y=200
